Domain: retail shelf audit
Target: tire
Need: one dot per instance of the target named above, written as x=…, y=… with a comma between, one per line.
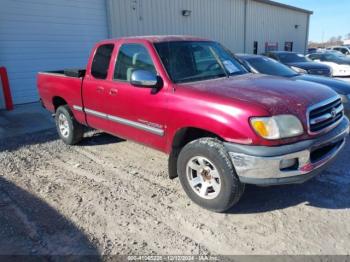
x=205, y=166
x=69, y=130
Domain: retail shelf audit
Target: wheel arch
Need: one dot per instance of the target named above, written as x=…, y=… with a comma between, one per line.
x=181, y=137
x=58, y=101
x=187, y=134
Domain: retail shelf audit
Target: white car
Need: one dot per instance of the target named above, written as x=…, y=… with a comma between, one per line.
x=343, y=49
x=340, y=65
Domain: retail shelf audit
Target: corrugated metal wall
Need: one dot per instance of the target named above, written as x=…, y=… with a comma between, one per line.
x=267, y=23
x=219, y=20
x=38, y=35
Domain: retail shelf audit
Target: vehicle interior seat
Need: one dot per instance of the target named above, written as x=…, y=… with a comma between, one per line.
x=141, y=61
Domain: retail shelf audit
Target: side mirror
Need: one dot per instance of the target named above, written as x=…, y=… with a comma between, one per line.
x=143, y=78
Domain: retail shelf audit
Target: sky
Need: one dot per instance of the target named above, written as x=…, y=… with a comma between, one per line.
x=330, y=18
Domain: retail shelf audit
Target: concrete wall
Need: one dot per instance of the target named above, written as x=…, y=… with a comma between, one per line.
x=39, y=35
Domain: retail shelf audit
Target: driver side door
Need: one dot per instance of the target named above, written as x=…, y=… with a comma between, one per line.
x=136, y=113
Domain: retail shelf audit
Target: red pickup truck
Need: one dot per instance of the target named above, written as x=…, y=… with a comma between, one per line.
x=192, y=99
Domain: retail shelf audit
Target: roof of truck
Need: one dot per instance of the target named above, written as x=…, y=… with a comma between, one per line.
x=161, y=38
x=168, y=38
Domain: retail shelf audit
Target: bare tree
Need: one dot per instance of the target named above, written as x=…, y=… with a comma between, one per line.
x=334, y=40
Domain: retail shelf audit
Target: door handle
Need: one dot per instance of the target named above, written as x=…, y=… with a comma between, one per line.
x=113, y=92
x=100, y=89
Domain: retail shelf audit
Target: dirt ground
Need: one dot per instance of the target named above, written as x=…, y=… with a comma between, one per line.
x=108, y=196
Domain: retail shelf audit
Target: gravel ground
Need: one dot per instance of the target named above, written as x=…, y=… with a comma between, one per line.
x=108, y=196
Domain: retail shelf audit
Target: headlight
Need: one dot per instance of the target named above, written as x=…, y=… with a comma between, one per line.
x=299, y=70
x=277, y=127
x=330, y=71
x=345, y=98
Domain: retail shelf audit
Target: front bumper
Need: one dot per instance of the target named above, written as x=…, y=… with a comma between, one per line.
x=261, y=165
x=341, y=73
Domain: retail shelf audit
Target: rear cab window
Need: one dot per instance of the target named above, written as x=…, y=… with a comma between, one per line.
x=100, y=63
x=132, y=57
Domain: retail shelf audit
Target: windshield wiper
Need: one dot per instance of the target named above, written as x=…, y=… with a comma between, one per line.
x=218, y=60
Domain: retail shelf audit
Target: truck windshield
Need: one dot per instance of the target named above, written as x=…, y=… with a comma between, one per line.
x=189, y=61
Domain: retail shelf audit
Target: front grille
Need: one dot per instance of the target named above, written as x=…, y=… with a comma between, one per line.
x=324, y=72
x=325, y=115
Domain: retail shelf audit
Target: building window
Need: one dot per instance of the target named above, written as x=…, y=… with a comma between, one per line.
x=288, y=46
x=255, y=51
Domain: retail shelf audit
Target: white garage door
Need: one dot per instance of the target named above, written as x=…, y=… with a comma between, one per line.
x=41, y=35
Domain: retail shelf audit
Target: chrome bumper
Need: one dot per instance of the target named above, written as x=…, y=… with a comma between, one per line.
x=262, y=165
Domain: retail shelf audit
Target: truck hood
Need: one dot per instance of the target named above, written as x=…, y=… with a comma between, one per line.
x=276, y=95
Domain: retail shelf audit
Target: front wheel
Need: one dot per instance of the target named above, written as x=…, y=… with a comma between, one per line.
x=207, y=175
x=69, y=130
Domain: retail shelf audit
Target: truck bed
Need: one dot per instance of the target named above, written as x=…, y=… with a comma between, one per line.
x=52, y=84
x=70, y=72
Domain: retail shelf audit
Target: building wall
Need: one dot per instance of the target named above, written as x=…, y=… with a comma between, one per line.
x=219, y=20
x=41, y=35
x=267, y=23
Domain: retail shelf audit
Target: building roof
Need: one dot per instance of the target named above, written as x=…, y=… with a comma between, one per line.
x=269, y=2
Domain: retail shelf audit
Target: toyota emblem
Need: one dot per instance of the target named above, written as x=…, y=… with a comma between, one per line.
x=334, y=113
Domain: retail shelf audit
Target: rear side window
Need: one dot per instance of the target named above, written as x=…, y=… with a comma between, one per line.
x=132, y=57
x=271, y=56
x=100, y=63
x=313, y=56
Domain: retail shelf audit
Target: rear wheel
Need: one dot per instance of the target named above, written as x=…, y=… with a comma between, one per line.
x=69, y=130
x=207, y=175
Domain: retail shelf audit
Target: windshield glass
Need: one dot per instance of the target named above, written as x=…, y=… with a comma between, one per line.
x=291, y=58
x=188, y=61
x=337, y=53
x=269, y=66
x=333, y=57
